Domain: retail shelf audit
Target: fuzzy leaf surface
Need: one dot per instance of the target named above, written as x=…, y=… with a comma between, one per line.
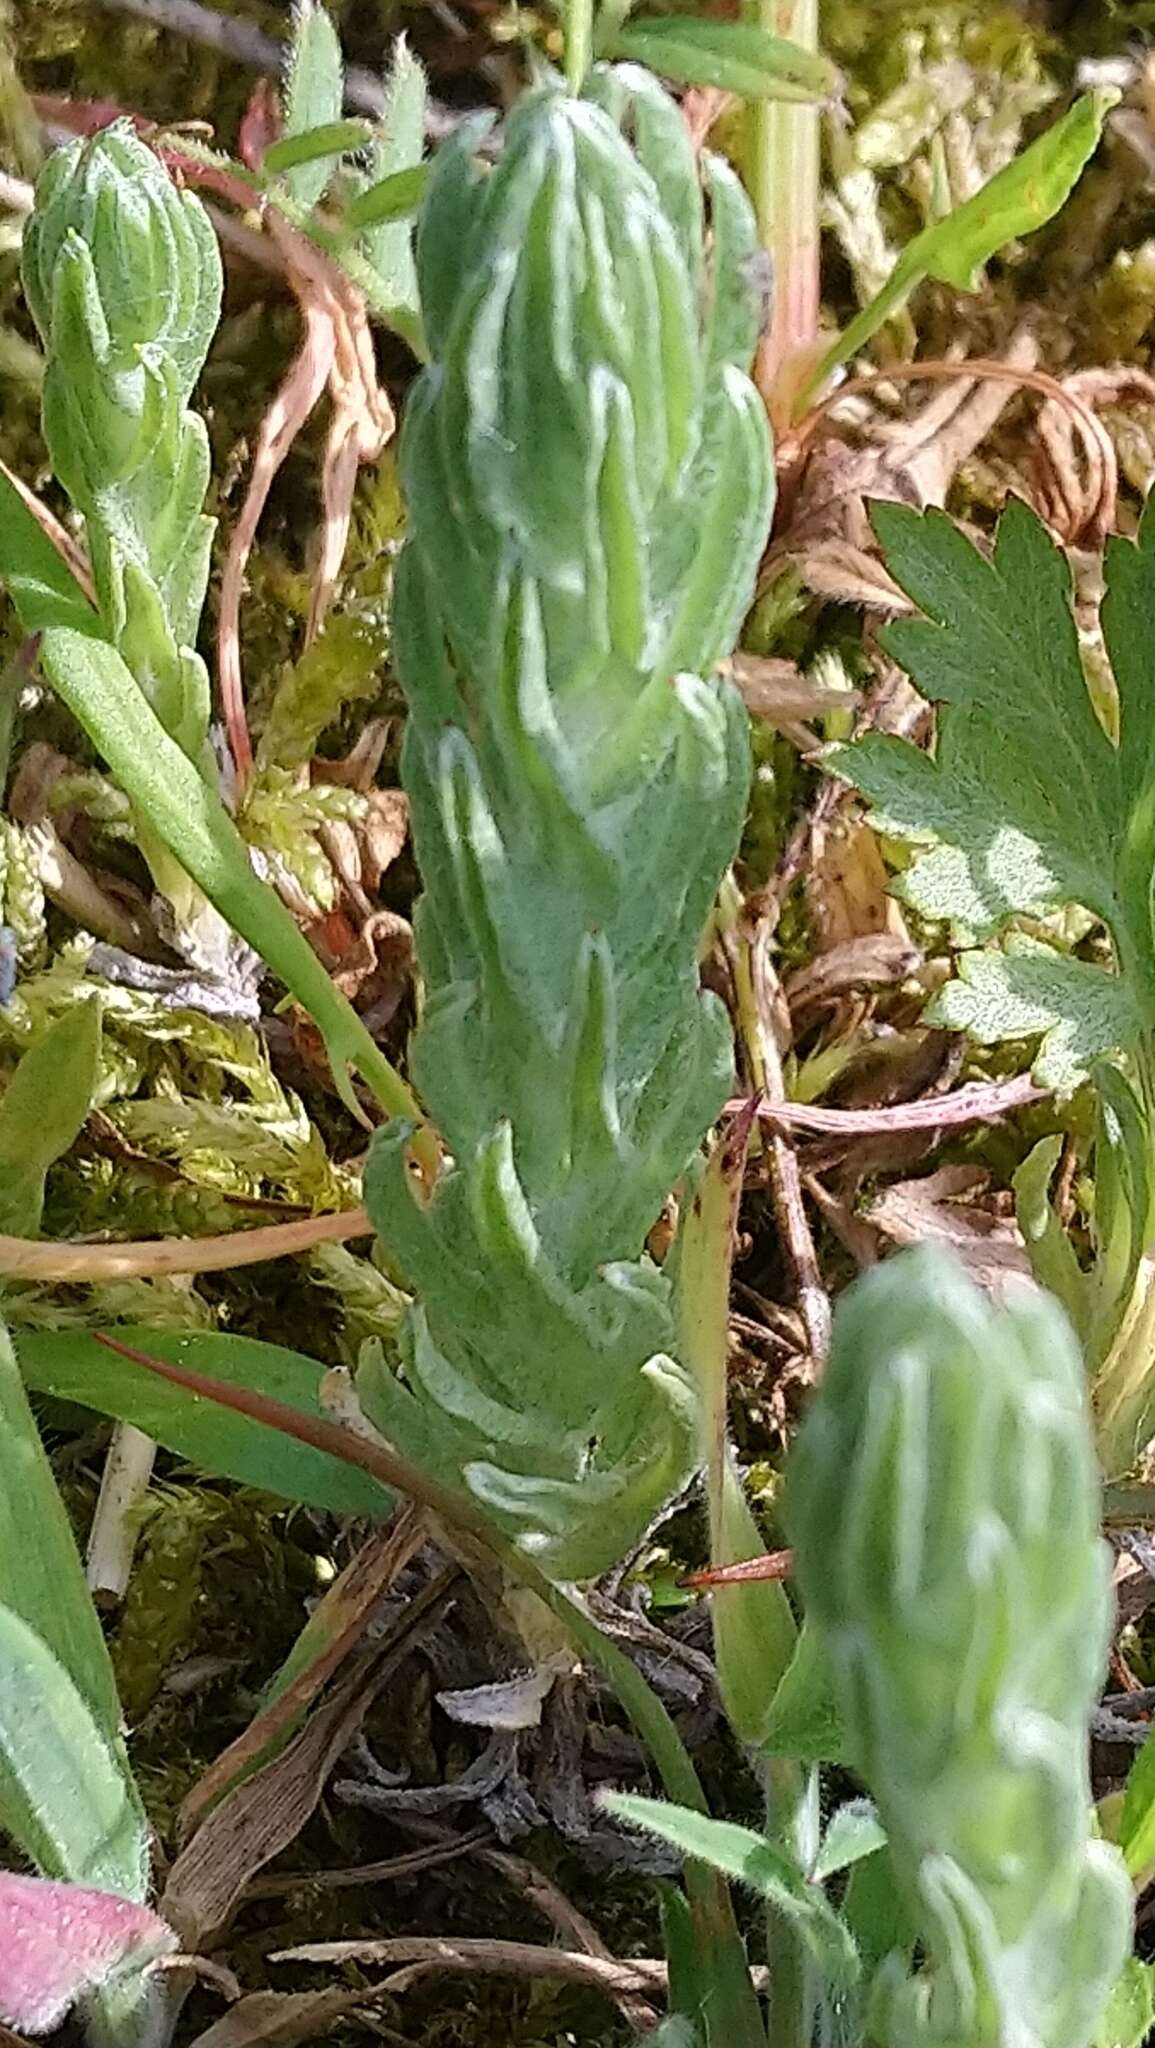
x=1029, y=801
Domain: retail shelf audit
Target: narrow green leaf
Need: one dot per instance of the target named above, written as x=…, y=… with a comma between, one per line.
x=41, y=1577
x=804, y=1721
x=74, y=1367
x=1137, y=1823
x=316, y=145
x=749, y=1858
x=754, y=1630
x=1017, y=201
x=193, y=823
x=853, y=1832
x=687, y=1992
x=1052, y=1255
x=40, y=583
x=313, y=93
x=1122, y=1197
x=42, y=1111
x=66, y=1794
x=734, y=56
x=393, y=198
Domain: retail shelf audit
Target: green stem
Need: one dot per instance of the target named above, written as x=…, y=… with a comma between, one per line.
x=579, y=42
x=782, y=172
x=790, y=1989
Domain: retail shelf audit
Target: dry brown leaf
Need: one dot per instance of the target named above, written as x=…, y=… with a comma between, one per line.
x=847, y=888
x=777, y=690
x=337, y=1623
x=280, y=2019
x=870, y=960
x=268, y=1810
x=941, y=1208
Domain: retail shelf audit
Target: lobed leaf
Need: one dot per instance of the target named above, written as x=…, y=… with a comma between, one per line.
x=1032, y=803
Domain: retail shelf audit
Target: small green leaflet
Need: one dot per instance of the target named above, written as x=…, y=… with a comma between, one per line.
x=734, y=56
x=42, y=1111
x=1028, y=804
x=754, y=1861
x=1017, y=201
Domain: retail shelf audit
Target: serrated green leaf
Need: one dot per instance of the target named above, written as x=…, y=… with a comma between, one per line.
x=394, y=184
x=750, y=1859
x=41, y=1577
x=42, y=1111
x=66, y=1794
x=1033, y=804
x=313, y=93
x=1028, y=989
x=734, y=56
x=74, y=1367
x=1017, y=201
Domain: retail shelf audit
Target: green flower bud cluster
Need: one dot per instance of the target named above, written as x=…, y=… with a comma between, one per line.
x=943, y=1501
x=589, y=480
x=123, y=277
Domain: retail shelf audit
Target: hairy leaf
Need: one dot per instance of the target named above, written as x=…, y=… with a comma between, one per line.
x=588, y=476
x=312, y=97
x=59, y=1942
x=1032, y=802
x=755, y=1862
x=943, y=1499
x=66, y=1795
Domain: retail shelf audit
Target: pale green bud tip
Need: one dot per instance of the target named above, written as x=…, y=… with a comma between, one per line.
x=152, y=250
x=941, y=1417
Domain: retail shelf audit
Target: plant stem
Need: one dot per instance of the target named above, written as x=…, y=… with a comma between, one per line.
x=782, y=163
x=579, y=39
x=790, y=1992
